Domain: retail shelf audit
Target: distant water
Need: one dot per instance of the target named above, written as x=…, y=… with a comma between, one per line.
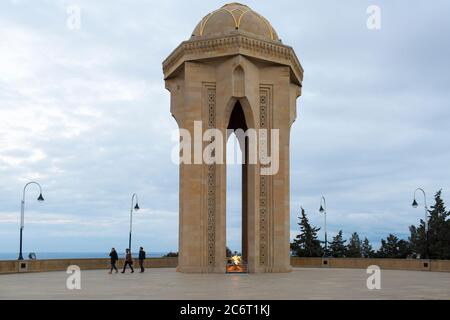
x=72, y=255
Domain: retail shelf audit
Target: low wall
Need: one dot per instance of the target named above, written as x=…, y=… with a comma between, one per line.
x=93, y=264
x=362, y=263
x=84, y=264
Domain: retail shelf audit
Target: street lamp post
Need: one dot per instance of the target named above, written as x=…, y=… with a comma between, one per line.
x=323, y=209
x=415, y=205
x=135, y=208
x=22, y=212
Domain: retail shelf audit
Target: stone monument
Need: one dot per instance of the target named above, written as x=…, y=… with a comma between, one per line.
x=234, y=73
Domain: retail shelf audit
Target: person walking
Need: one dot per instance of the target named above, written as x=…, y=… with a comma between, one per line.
x=128, y=261
x=114, y=258
x=141, y=258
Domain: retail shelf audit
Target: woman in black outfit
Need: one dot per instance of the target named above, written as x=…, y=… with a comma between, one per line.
x=128, y=261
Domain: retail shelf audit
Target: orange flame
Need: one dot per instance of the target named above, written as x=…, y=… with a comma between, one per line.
x=236, y=265
x=237, y=260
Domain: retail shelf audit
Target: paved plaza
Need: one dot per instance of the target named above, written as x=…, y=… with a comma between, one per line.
x=302, y=283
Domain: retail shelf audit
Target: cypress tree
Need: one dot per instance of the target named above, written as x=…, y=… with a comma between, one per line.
x=394, y=248
x=366, y=249
x=438, y=230
x=306, y=243
x=337, y=247
x=354, y=246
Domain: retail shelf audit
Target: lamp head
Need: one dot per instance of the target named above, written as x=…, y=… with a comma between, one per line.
x=321, y=210
x=414, y=204
x=40, y=198
x=136, y=207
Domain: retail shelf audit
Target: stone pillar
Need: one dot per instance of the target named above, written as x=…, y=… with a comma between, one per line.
x=207, y=77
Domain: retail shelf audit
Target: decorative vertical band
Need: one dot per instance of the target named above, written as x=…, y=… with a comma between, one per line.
x=264, y=118
x=211, y=205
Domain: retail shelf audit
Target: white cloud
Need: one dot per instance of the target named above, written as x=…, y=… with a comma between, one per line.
x=85, y=112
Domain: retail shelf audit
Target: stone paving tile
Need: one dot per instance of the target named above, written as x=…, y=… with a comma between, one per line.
x=302, y=283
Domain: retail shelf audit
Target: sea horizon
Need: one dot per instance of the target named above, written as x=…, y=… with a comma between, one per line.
x=73, y=255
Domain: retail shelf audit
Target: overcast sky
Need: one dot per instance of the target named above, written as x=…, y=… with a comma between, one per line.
x=85, y=113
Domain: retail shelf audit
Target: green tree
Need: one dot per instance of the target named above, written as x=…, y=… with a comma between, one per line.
x=354, y=246
x=417, y=239
x=337, y=246
x=404, y=249
x=306, y=243
x=366, y=249
x=394, y=248
x=171, y=255
x=438, y=230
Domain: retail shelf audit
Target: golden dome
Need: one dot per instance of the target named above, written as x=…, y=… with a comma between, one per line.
x=235, y=16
